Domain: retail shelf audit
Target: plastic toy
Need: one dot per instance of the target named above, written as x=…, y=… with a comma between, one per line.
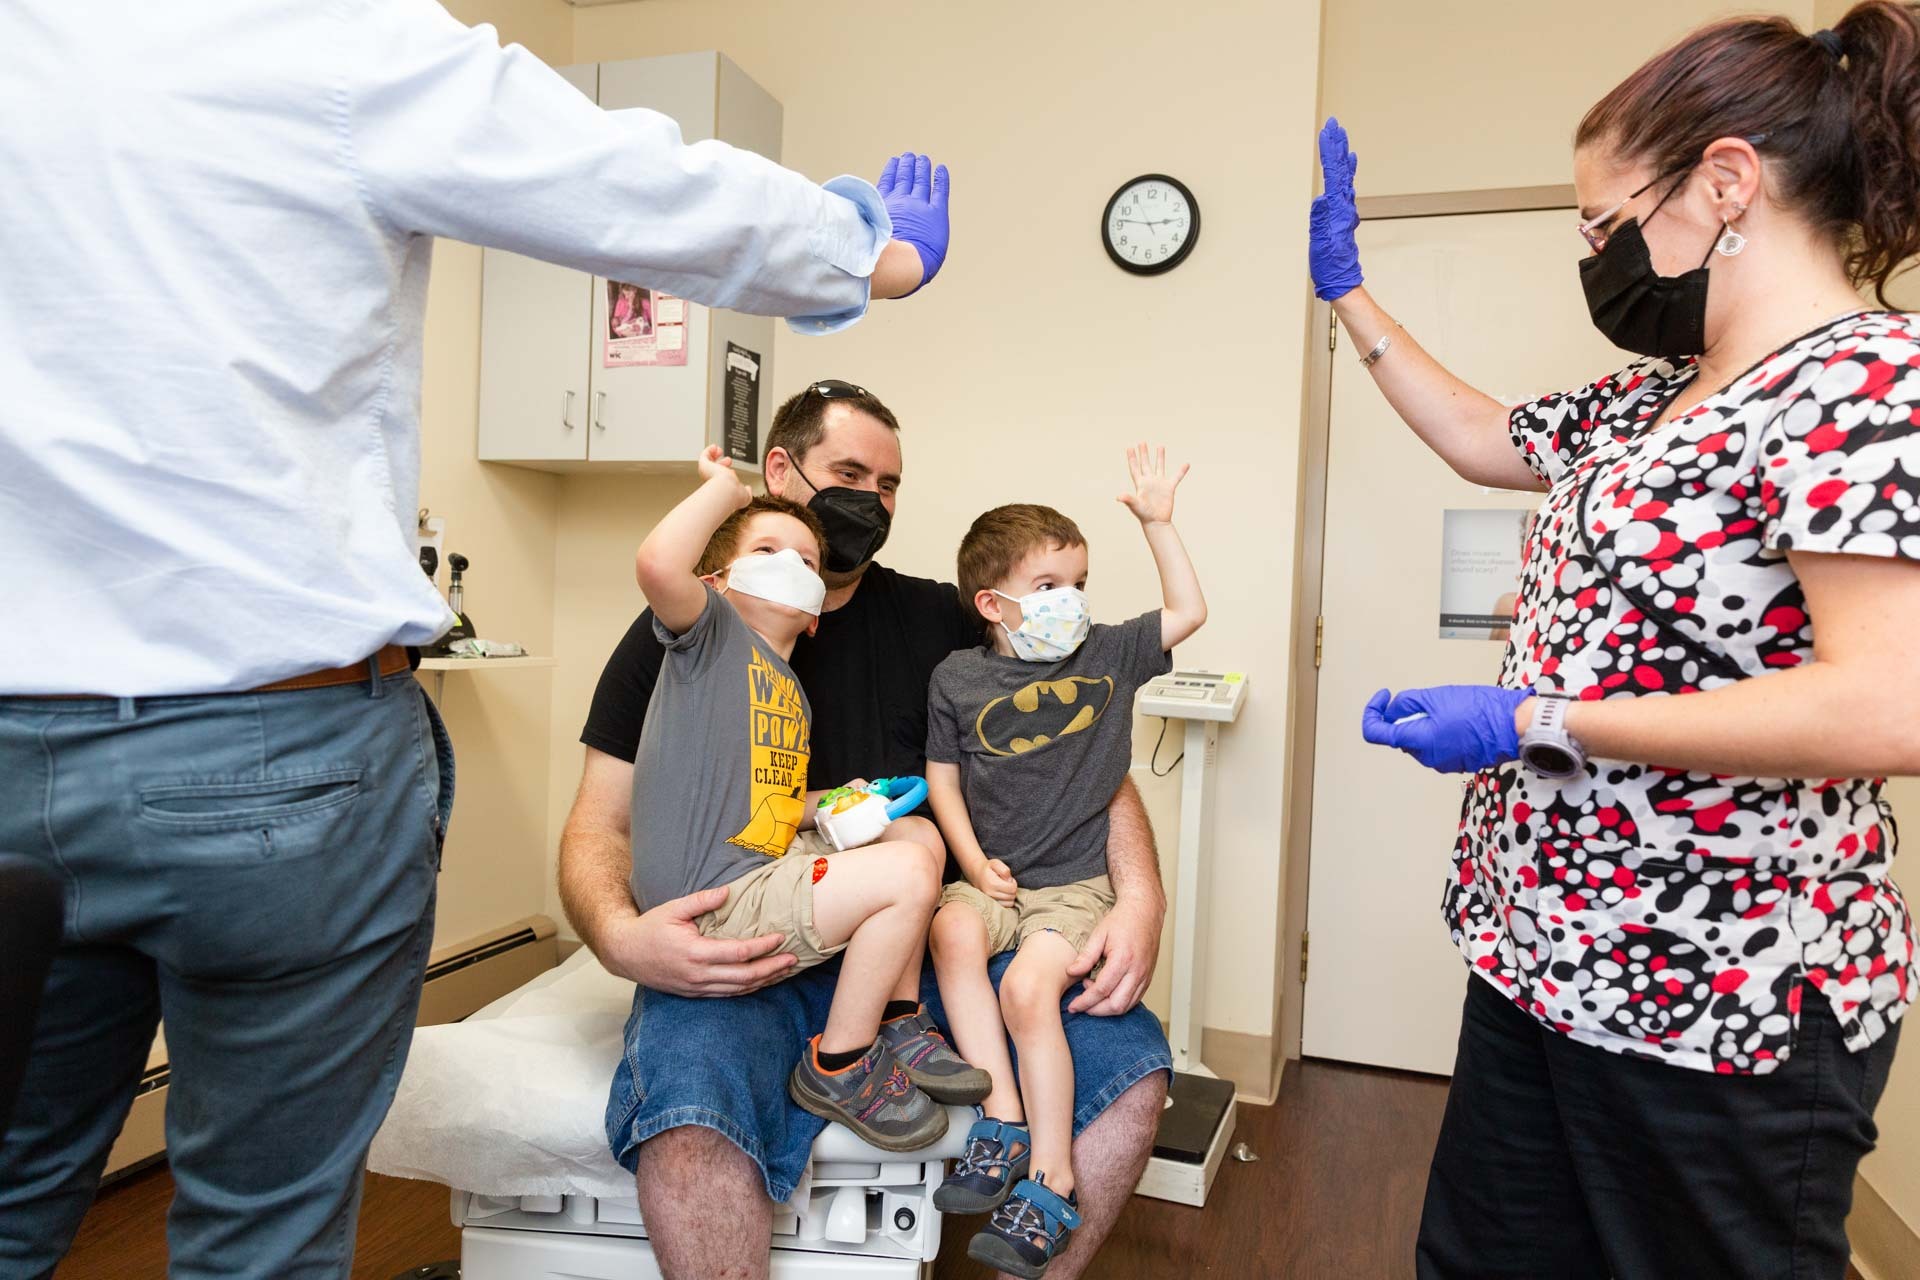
x=852, y=816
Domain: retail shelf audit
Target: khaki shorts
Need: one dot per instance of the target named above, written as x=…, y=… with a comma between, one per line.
x=777, y=898
x=1070, y=910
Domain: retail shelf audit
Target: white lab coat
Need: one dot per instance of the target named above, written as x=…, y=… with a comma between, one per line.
x=216, y=219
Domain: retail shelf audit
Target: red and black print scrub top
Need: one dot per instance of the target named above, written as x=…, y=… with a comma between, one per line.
x=1679, y=915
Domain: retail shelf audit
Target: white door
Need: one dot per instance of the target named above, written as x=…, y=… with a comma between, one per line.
x=1497, y=298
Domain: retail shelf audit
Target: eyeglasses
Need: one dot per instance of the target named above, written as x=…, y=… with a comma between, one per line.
x=834, y=389
x=1596, y=229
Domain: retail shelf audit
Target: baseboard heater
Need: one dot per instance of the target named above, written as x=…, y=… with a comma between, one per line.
x=461, y=978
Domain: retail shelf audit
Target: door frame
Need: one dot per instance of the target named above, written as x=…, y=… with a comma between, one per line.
x=1310, y=539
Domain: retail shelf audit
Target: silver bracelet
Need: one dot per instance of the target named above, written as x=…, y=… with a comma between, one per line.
x=1379, y=348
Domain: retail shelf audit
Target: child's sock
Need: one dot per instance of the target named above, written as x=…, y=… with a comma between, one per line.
x=899, y=1009
x=838, y=1061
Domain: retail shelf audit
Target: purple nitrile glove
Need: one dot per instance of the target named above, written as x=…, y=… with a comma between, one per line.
x=1333, y=256
x=914, y=190
x=1452, y=728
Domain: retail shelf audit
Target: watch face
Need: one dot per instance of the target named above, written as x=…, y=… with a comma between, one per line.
x=1549, y=761
x=1150, y=225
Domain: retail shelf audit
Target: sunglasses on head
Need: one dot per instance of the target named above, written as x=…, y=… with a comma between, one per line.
x=834, y=389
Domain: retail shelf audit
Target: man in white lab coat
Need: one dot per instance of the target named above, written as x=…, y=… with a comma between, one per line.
x=213, y=264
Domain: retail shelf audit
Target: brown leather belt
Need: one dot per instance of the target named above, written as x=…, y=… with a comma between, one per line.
x=393, y=660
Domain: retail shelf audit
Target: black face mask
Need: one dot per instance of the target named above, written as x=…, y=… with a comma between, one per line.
x=1638, y=309
x=856, y=521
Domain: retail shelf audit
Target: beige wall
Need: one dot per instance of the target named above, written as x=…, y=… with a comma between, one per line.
x=1028, y=366
x=1445, y=97
x=503, y=520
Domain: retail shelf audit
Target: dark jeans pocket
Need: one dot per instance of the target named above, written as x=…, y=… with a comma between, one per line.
x=281, y=815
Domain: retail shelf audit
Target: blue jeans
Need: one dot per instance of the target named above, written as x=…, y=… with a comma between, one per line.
x=723, y=1063
x=258, y=870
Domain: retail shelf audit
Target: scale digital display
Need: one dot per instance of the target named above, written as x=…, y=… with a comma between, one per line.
x=1194, y=695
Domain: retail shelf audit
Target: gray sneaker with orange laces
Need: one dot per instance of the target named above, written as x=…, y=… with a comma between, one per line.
x=931, y=1063
x=873, y=1097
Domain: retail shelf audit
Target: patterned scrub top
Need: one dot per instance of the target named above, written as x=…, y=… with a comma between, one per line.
x=1669, y=914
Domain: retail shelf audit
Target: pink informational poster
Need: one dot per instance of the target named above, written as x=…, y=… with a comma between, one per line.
x=644, y=326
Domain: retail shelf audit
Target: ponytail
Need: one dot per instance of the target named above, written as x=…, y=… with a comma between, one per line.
x=1881, y=42
x=1837, y=116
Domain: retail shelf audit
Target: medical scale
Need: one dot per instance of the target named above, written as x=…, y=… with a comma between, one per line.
x=1197, y=1126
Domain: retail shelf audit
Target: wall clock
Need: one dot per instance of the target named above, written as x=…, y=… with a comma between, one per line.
x=1150, y=225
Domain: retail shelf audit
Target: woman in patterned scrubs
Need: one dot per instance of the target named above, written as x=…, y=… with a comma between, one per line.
x=1688, y=961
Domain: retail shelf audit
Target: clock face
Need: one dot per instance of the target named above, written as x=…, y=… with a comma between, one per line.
x=1150, y=224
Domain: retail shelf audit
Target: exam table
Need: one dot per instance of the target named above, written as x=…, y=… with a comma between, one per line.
x=537, y=1195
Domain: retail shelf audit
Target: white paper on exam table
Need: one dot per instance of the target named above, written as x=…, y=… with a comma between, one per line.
x=512, y=1101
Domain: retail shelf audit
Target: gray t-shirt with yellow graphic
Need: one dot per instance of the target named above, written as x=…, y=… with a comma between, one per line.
x=1042, y=747
x=720, y=780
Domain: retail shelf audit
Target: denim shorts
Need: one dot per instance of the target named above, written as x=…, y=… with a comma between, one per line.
x=722, y=1064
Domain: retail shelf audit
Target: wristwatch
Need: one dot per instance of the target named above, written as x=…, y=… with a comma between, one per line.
x=1546, y=747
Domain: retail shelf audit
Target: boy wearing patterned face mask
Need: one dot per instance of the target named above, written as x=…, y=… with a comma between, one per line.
x=1028, y=738
x=720, y=798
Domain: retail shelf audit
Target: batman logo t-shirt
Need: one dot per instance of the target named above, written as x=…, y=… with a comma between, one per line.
x=1042, y=746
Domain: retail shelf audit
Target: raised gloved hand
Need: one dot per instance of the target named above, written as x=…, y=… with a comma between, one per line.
x=914, y=190
x=1452, y=728
x=1332, y=254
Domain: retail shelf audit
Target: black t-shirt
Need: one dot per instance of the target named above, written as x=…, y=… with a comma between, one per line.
x=865, y=673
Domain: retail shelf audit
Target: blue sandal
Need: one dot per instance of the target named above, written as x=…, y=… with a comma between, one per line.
x=985, y=1175
x=1027, y=1231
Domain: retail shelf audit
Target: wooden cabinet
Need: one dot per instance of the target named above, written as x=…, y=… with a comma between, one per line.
x=577, y=373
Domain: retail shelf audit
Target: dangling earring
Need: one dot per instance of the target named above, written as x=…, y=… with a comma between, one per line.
x=1731, y=242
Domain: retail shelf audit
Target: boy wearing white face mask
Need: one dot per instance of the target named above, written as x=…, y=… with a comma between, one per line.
x=720, y=798
x=1028, y=738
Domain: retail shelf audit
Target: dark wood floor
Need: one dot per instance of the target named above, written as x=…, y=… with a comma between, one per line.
x=1336, y=1193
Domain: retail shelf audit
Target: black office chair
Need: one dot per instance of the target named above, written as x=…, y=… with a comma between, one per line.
x=32, y=902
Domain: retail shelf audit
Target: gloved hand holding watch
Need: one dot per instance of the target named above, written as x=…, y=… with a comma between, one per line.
x=1465, y=728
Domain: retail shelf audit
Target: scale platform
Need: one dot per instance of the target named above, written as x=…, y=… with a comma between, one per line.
x=1195, y=1131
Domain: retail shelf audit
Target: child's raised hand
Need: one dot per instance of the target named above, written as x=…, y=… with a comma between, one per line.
x=1152, y=498
x=716, y=465
x=997, y=882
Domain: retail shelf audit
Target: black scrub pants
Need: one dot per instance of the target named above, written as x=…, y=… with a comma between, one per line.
x=1560, y=1161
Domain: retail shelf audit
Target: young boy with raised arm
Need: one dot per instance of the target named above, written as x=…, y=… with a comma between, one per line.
x=720, y=798
x=1028, y=738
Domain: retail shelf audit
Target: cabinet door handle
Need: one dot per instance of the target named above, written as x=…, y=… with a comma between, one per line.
x=599, y=410
x=566, y=410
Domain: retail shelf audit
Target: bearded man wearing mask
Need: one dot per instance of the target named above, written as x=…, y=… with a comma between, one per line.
x=707, y=1201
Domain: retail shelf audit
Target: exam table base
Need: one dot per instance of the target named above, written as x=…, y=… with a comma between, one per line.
x=862, y=1222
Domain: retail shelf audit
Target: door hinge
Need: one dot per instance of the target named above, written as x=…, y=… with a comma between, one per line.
x=1305, y=939
x=1319, y=640
x=1333, y=330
